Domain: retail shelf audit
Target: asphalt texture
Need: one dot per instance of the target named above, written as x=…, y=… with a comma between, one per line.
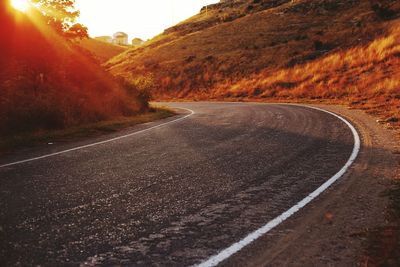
x=171, y=196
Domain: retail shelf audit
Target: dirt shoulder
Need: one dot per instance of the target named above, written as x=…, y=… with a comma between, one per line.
x=339, y=228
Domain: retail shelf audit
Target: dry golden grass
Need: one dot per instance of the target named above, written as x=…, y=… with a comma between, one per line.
x=364, y=76
x=341, y=51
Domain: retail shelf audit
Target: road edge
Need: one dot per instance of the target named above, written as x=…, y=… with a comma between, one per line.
x=191, y=112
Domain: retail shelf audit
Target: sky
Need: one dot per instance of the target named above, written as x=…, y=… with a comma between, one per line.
x=138, y=18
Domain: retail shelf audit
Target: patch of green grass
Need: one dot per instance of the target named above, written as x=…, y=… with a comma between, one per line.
x=10, y=143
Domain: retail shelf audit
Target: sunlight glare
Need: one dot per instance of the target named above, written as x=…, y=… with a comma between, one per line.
x=21, y=5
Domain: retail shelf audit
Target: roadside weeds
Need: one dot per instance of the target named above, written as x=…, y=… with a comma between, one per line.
x=11, y=143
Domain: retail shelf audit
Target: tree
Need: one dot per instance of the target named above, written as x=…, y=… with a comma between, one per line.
x=61, y=15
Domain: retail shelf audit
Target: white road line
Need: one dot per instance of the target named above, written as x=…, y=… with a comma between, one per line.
x=228, y=252
x=98, y=143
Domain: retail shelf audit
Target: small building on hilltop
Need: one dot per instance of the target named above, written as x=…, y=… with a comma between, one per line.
x=137, y=42
x=120, y=38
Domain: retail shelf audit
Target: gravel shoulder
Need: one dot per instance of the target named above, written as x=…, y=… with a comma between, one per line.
x=333, y=230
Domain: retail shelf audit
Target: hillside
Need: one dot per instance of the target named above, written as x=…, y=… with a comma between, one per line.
x=346, y=51
x=47, y=82
x=102, y=51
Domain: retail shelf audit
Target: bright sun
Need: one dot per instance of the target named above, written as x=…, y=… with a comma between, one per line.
x=21, y=5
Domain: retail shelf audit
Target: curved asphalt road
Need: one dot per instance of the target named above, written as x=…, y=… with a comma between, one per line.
x=171, y=196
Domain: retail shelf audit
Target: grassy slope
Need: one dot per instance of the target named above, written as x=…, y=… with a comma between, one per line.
x=280, y=49
x=101, y=50
x=48, y=82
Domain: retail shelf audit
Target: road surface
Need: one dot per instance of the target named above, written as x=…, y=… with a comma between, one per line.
x=173, y=195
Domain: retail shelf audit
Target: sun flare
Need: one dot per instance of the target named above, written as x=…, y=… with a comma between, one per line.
x=21, y=5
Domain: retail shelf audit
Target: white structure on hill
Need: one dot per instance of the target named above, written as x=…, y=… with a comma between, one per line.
x=120, y=38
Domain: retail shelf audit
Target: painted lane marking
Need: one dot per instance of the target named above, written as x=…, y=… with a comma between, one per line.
x=98, y=143
x=228, y=252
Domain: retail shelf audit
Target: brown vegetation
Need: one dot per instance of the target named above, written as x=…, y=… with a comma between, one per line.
x=366, y=76
x=48, y=82
x=345, y=51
